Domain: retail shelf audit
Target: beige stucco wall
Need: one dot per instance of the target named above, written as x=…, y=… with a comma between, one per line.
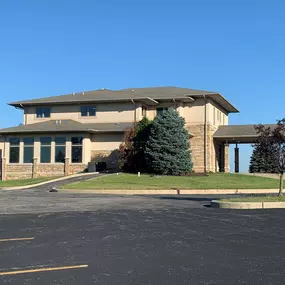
x=216, y=115
x=106, y=141
x=114, y=112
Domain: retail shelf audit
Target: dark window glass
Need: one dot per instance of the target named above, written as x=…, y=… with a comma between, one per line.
x=76, y=140
x=14, y=154
x=14, y=141
x=59, y=153
x=159, y=111
x=28, y=150
x=144, y=109
x=60, y=149
x=43, y=112
x=28, y=141
x=88, y=111
x=92, y=111
x=84, y=111
x=28, y=154
x=60, y=140
x=45, y=154
x=14, y=150
x=76, y=153
x=45, y=140
x=45, y=149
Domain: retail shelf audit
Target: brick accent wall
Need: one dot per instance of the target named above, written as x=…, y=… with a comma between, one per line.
x=47, y=169
x=19, y=171
x=77, y=168
x=24, y=171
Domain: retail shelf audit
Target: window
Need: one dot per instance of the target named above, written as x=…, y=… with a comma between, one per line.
x=159, y=111
x=14, y=150
x=45, y=149
x=76, y=151
x=144, y=109
x=28, y=150
x=88, y=111
x=43, y=112
x=60, y=143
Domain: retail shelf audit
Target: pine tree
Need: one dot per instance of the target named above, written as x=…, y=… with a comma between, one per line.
x=260, y=161
x=167, y=149
x=255, y=161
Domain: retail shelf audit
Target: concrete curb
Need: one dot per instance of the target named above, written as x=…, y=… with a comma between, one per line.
x=171, y=191
x=247, y=205
x=46, y=182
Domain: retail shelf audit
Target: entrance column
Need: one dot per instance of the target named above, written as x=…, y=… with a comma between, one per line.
x=236, y=159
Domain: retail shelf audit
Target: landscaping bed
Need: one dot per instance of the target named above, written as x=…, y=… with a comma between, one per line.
x=212, y=181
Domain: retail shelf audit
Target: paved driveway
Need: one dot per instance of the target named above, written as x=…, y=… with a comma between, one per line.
x=170, y=245
x=136, y=240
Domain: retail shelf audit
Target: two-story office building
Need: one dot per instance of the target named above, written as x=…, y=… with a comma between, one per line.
x=60, y=135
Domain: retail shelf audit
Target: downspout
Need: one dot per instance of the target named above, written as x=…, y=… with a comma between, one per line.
x=205, y=134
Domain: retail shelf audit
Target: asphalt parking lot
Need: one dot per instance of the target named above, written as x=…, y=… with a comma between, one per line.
x=137, y=240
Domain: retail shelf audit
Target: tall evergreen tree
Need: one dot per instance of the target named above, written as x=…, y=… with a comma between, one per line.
x=167, y=149
x=260, y=161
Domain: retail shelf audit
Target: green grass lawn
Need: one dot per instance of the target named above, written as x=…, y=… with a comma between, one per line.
x=213, y=181
x=24, y=182
x=256, y=199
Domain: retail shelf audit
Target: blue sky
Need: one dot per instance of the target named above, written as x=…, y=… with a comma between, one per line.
x=52, y=47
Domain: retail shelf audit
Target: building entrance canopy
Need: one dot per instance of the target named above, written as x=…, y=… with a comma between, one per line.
x=235, y=134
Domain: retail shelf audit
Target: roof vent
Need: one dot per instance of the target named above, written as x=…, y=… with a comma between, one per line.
x=82, y=93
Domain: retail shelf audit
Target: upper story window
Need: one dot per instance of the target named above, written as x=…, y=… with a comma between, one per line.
x=159, y=111
x=43, y=112
x=88, y=111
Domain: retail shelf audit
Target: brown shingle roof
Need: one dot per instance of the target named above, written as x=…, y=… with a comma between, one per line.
x=152, y=93
x=66, y=126
x=245, y=133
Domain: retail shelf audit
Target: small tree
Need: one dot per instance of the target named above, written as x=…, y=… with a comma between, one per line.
x=126, y=151
x=140, y=140
x=167, y=149
x=271, y=143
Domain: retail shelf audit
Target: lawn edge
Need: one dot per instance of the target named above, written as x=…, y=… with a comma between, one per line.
x=45, y=182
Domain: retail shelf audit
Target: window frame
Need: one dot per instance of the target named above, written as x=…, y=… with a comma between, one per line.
x=14, y=146
x=45, y=145
x=76, y=145
x=87, y=109
x=59, y=145
x=27, y=145
x=41, y=112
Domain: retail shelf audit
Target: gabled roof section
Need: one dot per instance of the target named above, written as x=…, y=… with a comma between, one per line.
x=67, y=126
x=151, y=95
